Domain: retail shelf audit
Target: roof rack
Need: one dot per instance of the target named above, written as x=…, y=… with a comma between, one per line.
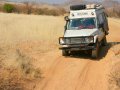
x=89, y=6
x=94, y=6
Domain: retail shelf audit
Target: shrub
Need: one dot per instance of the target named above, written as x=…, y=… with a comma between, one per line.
x=10, y=80
x=52, y=12
x=28, y=8
x=113, y=11
x=8, y=8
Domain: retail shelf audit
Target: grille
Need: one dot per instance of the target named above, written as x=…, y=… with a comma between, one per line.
x=75, y=40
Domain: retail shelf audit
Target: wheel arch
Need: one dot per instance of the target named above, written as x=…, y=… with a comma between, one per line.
x=96, y=38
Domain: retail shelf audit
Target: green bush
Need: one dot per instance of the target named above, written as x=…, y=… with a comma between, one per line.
x=8, y=8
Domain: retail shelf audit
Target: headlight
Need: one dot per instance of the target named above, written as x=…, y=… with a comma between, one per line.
x=61, y=41
x=64, y=40
x=89, y=39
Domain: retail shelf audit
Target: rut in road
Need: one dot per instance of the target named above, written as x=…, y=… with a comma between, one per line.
x=74, y=72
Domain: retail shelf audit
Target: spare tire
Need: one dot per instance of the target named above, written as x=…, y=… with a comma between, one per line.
x=77, y=7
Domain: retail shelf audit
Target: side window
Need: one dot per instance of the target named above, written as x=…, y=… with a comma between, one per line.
x=105, y=17
x=101, y=19
x=98, y=22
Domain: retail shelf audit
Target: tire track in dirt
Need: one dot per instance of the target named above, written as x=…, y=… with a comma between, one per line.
x=50, y=69
x=91, y=79
x=83, y=74
x=53, y=73
x=84, y=68
x=83, y=77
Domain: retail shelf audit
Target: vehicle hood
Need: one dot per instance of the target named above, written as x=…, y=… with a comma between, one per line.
x=79, y=33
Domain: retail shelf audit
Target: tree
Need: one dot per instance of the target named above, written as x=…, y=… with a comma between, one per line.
x=8, y=8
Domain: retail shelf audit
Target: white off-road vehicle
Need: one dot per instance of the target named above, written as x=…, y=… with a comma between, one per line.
x=86, y=29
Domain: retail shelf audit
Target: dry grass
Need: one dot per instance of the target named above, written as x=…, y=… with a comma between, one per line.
x=32, y=8
x=16, y=67
x=22, y=37
x=114, y=80
x=113, y=11
x=16, y=28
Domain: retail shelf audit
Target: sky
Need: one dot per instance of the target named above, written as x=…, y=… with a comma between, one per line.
x=45, y=1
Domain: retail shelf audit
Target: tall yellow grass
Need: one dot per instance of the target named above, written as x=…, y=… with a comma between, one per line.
x=17, y=28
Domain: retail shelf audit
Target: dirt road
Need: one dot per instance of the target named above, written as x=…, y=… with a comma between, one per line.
x=79, y=72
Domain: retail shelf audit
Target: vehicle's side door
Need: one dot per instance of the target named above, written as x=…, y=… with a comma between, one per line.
x=100, y=20
x=105, y=22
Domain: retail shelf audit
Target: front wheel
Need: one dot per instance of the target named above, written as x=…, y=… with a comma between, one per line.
x=95, y=52
x=65, y=53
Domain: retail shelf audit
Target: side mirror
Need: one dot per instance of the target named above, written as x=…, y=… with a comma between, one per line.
x=65, y=27
x=66, y=18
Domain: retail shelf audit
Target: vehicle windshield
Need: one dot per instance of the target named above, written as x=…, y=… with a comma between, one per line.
x=82, y=23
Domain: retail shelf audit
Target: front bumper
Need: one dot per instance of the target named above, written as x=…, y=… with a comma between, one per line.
x=77, y=47
x=76, y=43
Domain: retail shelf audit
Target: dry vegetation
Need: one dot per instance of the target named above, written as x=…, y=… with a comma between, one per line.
x=113, y=11
x=39, y=9
x=32, y=8
x=114, y=77
x=15, y=28
x=23, y=38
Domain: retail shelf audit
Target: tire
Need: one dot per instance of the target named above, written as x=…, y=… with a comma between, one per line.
x=77, y=7
x=104, y=41
x=95, y=52
x=65, y=53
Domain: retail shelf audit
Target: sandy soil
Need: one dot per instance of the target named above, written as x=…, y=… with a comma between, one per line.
x=78, y=72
